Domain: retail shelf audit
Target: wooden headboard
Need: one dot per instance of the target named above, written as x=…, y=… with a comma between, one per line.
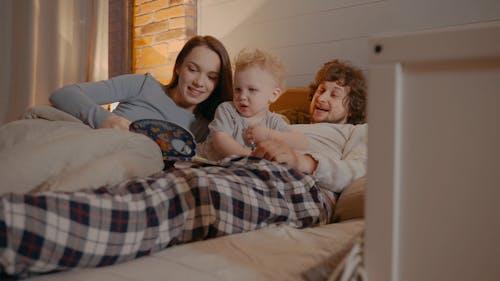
x=293, y=98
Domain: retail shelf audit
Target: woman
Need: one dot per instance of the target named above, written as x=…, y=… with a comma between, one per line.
x=62, y=155
x=201, y=80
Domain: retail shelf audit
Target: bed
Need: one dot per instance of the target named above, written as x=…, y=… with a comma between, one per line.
x=118, y=216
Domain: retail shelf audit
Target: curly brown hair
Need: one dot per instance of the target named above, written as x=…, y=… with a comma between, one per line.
x=345, y=74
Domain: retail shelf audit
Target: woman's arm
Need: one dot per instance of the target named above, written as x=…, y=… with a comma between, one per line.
x=84, y=100
x=73, y=100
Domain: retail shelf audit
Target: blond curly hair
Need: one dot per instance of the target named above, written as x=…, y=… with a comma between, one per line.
x=263, y=59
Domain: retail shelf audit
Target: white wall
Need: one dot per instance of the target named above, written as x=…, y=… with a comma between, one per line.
x=305, y=34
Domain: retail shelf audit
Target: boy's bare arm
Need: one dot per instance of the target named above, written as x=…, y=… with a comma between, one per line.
x=279, y=151
x=295, y=139
x=227, y=145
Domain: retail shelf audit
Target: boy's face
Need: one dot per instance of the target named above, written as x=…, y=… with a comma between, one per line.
x=254, y=90
x=329, y=103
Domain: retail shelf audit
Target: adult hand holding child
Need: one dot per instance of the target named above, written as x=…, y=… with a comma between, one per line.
x=337, y=152
x=257, y=133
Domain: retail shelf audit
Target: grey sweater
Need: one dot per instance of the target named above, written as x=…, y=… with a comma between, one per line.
x=140, y=96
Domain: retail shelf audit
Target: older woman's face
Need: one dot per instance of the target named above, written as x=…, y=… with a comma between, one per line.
x=198, y=76
x=329, y=103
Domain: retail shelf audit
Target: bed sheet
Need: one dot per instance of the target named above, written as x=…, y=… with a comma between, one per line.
x=274, y=253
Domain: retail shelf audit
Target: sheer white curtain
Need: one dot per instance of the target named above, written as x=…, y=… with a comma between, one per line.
x=47, y=44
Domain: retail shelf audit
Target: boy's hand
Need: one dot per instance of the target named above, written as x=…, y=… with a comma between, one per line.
x=257, y=133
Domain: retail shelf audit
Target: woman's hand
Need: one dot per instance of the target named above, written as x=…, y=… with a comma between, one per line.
x=115, y=122
x=257, y=133
x=279, y=151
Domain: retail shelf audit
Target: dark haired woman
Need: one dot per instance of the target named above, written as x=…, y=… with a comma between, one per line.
x=201, y=80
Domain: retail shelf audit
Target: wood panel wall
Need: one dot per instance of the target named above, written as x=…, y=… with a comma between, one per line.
x=305, y=34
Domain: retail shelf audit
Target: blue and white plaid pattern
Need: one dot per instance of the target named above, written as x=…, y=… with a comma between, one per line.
x=53, y=231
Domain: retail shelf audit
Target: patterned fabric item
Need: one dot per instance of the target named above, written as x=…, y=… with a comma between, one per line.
x=53, y=231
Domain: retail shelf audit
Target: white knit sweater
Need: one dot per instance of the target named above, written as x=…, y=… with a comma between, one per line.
x=340, y=150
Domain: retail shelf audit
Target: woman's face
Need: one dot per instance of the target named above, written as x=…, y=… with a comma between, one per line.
x=198, y=76
x=329, y=103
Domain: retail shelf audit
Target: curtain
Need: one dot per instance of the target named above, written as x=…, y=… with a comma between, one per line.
x=46, y=44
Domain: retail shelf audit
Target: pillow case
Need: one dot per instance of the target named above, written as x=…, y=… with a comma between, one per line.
x=351, y=202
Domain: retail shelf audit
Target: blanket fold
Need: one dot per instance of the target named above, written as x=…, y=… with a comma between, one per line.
x=52, y=150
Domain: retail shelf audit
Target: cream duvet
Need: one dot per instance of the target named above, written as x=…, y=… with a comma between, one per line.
x=50, y=150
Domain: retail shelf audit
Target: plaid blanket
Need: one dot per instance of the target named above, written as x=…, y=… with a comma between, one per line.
x=54, y=231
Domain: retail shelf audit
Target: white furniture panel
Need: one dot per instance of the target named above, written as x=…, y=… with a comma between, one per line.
x=433, y=192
